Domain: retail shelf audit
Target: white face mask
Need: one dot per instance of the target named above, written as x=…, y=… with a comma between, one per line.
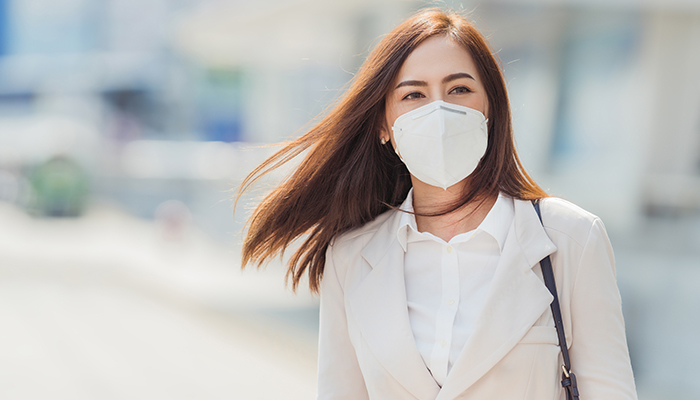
x=441, y=143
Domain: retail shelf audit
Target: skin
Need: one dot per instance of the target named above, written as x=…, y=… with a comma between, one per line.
x=420, y=81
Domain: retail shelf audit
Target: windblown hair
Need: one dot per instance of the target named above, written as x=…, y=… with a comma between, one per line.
x=348, y=177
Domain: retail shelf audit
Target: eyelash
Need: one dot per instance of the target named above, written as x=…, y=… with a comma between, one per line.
x=466, y=89
x=409, y=96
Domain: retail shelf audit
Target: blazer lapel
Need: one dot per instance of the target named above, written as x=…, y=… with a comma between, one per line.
x=379, y=307
x=516, y=299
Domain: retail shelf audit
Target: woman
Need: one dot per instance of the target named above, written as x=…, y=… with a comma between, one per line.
x=419, y=232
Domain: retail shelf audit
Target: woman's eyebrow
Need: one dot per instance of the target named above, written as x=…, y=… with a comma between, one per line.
x=411, y=83
x=446, y=79
x=457, y=75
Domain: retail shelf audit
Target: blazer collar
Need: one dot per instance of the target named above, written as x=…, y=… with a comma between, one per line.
x=379, y=307
x=534, y=242
x=516, y=299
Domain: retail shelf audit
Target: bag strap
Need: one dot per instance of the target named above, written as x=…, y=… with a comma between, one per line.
x=568, y=380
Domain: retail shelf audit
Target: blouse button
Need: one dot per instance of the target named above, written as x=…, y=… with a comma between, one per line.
x=443, y=343
x=450, y=302
x=449, y=249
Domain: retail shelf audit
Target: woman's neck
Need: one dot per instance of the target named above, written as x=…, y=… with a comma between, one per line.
x=429, y=199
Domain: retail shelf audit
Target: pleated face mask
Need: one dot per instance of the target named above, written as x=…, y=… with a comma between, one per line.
x=441, y=143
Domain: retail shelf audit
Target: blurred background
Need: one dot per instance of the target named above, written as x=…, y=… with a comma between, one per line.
x=125, y=125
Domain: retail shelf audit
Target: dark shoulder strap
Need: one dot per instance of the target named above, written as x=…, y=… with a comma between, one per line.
x=568, y=378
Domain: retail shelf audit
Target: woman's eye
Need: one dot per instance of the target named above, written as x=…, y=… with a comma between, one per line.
x=413, y=95
x=460, y=90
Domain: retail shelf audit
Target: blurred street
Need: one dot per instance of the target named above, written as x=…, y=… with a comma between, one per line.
x=126, y=124
x=107, y=307
x=103, y=308
x=658, y=277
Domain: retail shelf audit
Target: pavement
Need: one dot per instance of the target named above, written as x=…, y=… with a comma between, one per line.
x=108, y=306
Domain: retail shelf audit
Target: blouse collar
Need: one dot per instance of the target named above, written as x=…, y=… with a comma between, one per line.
x=496, y=223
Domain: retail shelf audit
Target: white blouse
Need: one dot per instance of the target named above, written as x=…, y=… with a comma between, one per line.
x=447, y=282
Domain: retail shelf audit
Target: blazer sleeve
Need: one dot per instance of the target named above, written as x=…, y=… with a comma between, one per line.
x=599, y=353
x=339, y=375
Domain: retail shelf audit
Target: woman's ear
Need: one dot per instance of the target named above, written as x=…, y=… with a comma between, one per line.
x=384, y=135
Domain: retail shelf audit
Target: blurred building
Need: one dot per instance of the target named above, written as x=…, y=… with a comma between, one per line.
x=606, y=105
x=604, y=95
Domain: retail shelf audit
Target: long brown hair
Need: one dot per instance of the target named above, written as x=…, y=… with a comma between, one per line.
x=347, y=178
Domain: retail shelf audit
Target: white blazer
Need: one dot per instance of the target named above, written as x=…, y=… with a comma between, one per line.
x=366, y=346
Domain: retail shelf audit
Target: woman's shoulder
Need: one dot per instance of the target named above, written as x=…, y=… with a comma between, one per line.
x=362, y=234
x=569, y=219
x=346, y=248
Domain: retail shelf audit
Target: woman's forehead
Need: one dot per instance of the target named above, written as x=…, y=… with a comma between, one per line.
x=439, y=56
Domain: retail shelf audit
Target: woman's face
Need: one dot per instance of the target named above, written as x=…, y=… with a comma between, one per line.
x=438, y=69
